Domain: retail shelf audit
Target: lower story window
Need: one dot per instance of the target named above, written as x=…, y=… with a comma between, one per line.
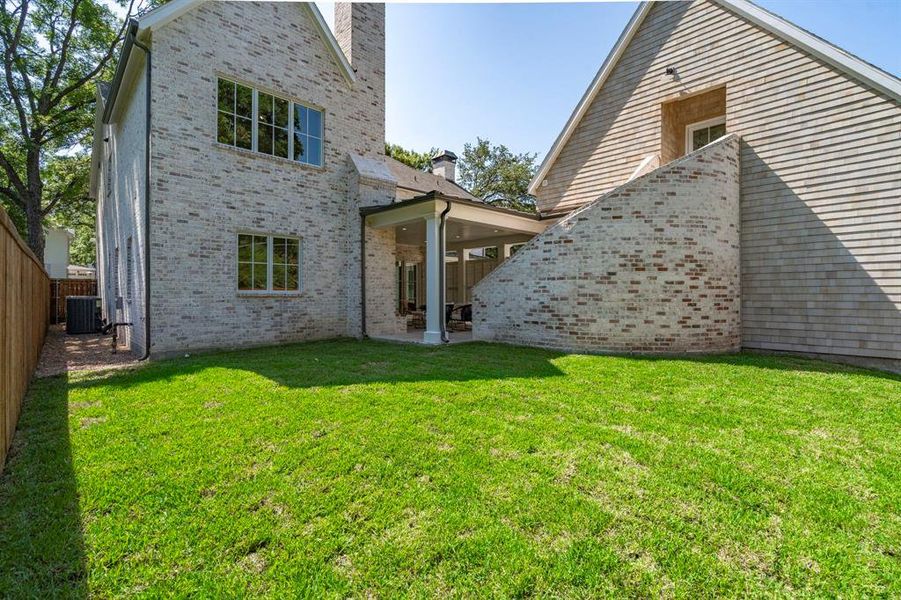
x=268, y=263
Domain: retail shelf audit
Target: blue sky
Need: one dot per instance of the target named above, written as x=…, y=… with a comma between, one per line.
x=513, y=73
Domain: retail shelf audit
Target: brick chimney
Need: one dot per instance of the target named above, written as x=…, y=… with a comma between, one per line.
x=360, y=31
x=445, y=164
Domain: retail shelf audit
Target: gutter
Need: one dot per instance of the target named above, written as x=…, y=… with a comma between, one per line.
x=130, y=36
x=363, y=276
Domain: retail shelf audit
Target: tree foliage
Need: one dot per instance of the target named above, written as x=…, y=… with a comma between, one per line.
x=497, y=175
x=421, y=161
x=53, y=51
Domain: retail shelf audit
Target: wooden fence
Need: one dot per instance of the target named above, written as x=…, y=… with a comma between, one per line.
x=60, y=289
x=24, y=316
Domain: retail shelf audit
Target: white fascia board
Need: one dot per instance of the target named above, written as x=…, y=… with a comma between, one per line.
x=96, y=146
x=165, y=13
x=817, y=46
x=495, y=218
x=589, y=95
x=331, y=43
x=406, y=213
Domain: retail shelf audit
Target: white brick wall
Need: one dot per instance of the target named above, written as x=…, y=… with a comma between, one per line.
x=204, y=193
x=652, y=266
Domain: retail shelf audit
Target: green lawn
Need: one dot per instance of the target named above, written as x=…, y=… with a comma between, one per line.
x=372, y=469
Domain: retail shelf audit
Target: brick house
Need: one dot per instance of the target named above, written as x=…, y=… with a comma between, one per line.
x=735, y=190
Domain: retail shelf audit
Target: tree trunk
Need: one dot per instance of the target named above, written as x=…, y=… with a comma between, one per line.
x=33, y=214
x=35, y=223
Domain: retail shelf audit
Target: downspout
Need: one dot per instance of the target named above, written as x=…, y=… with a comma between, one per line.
x=363, y=275
x=442, y=273
x=132, y=30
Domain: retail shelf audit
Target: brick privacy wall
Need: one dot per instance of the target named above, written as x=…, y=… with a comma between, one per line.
x=650, y=267
x=205, y=192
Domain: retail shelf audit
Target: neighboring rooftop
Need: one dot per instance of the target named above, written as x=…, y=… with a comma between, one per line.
x=412, y=182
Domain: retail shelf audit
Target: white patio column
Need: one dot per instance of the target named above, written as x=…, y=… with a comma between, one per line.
x=461, y=276
x=505, y=251
x=434, y=310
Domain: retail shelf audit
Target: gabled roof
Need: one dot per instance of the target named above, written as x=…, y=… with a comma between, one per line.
x=817, y=46
x=165, y=13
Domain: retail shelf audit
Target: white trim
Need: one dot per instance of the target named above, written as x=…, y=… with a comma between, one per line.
x=582, y=107
x=170, y=11
x=778, y=26
x=692, y=127
x=641, y=166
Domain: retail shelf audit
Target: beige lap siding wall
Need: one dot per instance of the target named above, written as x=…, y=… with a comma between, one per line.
x=204, y=193
x=653, y=266
x=820, y=185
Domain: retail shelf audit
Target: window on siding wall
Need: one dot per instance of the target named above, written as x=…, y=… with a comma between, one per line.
x=268, y=263
x=283, y=128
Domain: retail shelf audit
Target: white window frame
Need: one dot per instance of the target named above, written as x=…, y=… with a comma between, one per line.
x=692, y=127
x=269, y=262
x=255, y=119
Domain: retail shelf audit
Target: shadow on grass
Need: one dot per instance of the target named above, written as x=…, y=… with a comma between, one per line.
x=42, y=550
x=345, y=362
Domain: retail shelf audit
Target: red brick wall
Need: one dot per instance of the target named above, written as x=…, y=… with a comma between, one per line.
x=651, y=267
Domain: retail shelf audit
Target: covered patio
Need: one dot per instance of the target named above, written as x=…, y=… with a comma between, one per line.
x=442, y=247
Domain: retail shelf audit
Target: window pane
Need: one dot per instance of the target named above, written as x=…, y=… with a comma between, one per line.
x=264, y=106
x=300, y=118
x=264, y=139
x=699, y=138
x=314, y=155
x=260, y=252
x=281, y=112
x=259, y=276
x=245, y=276
x=716, y=132
x=226, y=95
x=281, y=143
x=300, y=147
x=245, y=242
x=315, y=123
x=278, y=250
x=293, y=275
x=244, y=103
x=243, y=130
x=278, y=277
x=293, y=252
x=226, y=129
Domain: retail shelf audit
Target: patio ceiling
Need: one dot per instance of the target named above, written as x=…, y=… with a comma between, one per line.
x=467, y=221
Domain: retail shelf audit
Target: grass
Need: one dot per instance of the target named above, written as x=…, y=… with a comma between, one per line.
x=361, y=469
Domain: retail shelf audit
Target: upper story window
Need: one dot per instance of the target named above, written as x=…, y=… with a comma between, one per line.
x=265, y=123
x=698, y=135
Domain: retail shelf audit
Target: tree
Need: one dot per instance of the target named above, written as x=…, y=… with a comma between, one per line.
x=421, y=161
x=53, y=53
x=497, y=176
